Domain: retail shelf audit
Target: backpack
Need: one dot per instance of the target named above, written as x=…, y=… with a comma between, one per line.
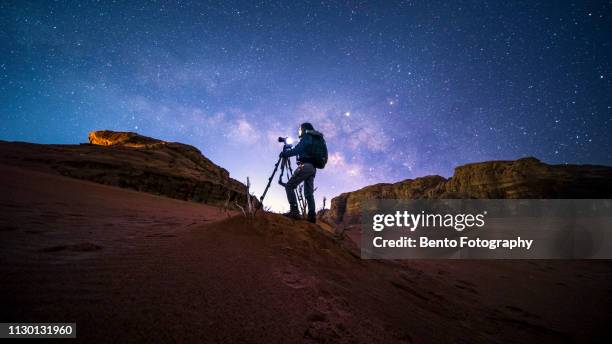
x=318, y=151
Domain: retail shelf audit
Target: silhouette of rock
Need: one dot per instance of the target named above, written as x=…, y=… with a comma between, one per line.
x=523, y=178
x=133, y=161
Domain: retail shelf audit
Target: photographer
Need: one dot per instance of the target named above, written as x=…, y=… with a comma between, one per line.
x=311, y=154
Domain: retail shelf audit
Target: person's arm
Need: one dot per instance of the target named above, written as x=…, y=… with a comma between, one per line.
x=300, y=148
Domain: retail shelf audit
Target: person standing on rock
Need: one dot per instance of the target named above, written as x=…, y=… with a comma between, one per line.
x=311, y=154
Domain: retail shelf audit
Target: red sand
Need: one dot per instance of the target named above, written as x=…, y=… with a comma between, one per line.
x=133, y=267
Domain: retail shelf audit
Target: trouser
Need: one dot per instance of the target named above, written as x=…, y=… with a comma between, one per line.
x=304, y=173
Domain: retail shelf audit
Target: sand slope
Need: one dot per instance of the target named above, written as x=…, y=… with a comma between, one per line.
x=133, y=267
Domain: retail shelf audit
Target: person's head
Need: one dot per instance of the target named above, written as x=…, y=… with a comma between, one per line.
x=303, y=127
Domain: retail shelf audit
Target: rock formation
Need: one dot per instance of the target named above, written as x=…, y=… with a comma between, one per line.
x=523, y=178
x=127, y=139
x=133, y=161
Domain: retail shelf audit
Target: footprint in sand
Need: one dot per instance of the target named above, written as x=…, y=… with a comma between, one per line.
x=467, y=286
x=327, y=322
x=291, y=276
x=82, y=247
x=522, y=312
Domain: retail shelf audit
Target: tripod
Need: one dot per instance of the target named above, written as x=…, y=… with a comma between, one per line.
x=286, y=169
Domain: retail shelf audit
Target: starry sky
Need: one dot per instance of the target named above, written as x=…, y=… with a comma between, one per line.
x=400, y=89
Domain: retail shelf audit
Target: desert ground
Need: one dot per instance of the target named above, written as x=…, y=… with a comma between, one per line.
x=128, y=266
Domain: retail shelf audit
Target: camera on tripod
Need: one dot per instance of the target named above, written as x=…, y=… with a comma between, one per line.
x=286, y=140
x=285, y=166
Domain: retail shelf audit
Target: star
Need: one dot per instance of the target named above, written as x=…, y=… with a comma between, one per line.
x=381, y=87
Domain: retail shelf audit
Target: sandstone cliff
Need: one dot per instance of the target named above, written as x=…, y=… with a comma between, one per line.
x=523, y=178
x=127, y=139
x=132, y=161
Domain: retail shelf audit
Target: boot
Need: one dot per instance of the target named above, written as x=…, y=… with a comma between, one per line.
x=312, y=218
x=293, y=213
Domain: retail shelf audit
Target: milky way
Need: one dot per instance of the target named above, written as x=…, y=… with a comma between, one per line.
x=401, y=90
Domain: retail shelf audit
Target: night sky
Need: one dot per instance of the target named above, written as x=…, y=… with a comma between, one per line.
x=400, y=90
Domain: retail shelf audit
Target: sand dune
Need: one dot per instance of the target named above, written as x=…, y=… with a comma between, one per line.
x=129, y=266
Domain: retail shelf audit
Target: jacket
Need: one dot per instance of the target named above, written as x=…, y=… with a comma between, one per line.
x=301, y=150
